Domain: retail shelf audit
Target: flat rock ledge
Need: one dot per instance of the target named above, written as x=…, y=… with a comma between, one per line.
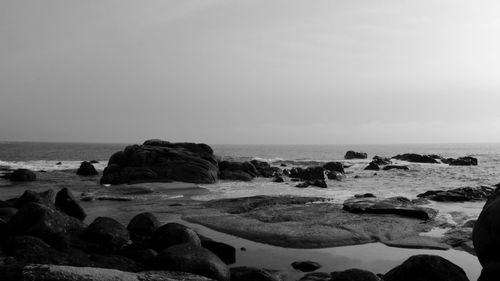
x=309, y=222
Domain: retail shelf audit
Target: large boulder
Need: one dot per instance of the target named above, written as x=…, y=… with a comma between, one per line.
x=265, y=169
x=372, y=167
x=173, y=233
x=29, y=196
x=351, y=154
x=106, y=232
x=193, y=259
x=354, y=274
x=246, y=273
x=225, y=252
x=424, y=268
x=417, y=158
x=158, y=160
x=486, y=233
x=334, y=166
x=394, y=205
x=461, y=161
x=23, y=175
x=67, y=204
x=142, y=226
x=86, y=169
x=461, y=194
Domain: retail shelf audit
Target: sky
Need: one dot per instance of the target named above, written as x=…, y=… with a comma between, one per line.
x=250, y=71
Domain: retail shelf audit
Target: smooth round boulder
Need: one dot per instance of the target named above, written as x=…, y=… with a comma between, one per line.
x=306, y=266
x=143, y=226
x=86, y=169
x=225, y=252
x=22, y=175
x=426, y=267
x=354, y=274
x=486, y=233
x=67, y=204
x=193, y=259
x=107, y=232
x=173, y=233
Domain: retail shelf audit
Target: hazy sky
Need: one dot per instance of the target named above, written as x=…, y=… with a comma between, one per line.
x=292, y=72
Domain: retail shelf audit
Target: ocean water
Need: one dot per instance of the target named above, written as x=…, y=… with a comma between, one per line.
x=45, y=158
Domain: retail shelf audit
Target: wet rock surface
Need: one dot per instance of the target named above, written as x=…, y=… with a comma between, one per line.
x=461, y=194
x=394, y=205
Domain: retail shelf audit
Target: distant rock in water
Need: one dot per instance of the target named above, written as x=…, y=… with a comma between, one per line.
x=381, y=160
x=158, y=160
x=461, y=161
x=417, y=158
x=355, y=155
x=372, y=167
x=308, y=174
x=23, y=175
x=394, y=205
x=397, y=167
x=334, y=166
x=461, y=194
x=86, y=169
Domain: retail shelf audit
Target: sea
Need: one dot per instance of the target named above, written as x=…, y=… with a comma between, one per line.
x=56, y=164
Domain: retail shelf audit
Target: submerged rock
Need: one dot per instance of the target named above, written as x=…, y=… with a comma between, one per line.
x=394, y=205
x=461, y=194
x=426, y=267
x=23, y=175
x=86, y=169
x=417, y=158
x=158, y=160
x=355, y=155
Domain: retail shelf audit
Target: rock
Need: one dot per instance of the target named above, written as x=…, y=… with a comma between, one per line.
x=354, y=274
x=172, y=234
x=355, y=155
x=365, y=195
x=245, y=273
x=67, y=204
x=313, y=173
x=234, y=170
x=397, y=167
x=303, y=184
x=461, y=194
x=316, y=276
x=486, y=233
x=334, y=166
x=490, y=271
x=93, y=161
x=394, y=205
x=418, y=242
x=45, y=198
x=279, y=179
x=86, y=169
x=187, y=162
x=23, y=175
x=6, y=213
x=225, y=252
x=142, y=226
x=44, y=222
x=264, y=169
x=381, y=160
x=306, y=266
x=334, y=175
x=143, y=256
x=372, y=167
x=417, y=158
x=318, y=183
x=193, y=259
x=72, y=273
x=106, y=232
x=469, y=224
x=29, y=249
x=462, y=161
x=235, y=176
x=459, y=238
x=426, y=267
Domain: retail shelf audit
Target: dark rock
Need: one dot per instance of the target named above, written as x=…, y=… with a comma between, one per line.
x=23, y=175
x=334, y=166
x=394, y=205
x=44, y=222
x=354, y=274
x=45, y=198
x=29, y=249
x=93, y=161
x=355, y=155
x=417, y=158
x=306, y=266
x=235, y=176
x=490, y=271
x=296, y=172
x=225, y=252
x=142, y=226
x=59, y=163
x=67, y=204
x=334, y=175
x=303, y=184
x=459, y=238
x=469, y=224
x=278, y=179
x=316, y=276
x=193, y=259
x=365, y=195
x=313, y=173
x=318, y=183
x=486, y=233
x=187, y=162
x=372, y=167
x=143, y=256
x=106, y=232
x=264, y=169
x=243, y=249
x=426, y=267
x=397, y=167
x=381, y=160
x=86, y=169
x=245, y=273
x=282, y=165
x=461, y=194
x=463, y=161
x=173, y=233
x=6, y=213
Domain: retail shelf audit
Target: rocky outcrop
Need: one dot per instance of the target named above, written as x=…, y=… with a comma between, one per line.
x=355, y=155
x=86, y=169
x=23, y=175
x=396, y=167
x=308, y=174
x=461, y=161
x=461, y=194
x=306, y=266
x=372, y=167
x=394, y=205
x=426, y=267
x=381, y=160
x=417, y=158
x=158, y=160
x=334, y=166
x=264, y=169
x=354, y=274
